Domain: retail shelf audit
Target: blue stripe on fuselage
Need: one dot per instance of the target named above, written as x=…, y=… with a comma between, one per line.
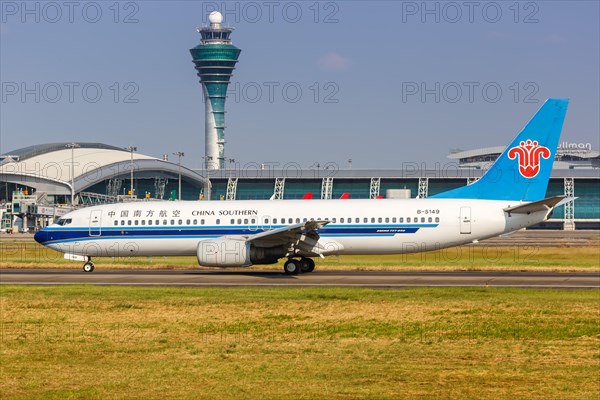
x=60, y=235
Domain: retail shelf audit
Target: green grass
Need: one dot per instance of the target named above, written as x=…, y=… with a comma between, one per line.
x=122, y=342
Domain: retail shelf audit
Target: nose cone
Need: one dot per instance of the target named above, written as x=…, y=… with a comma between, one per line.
x=41, y=236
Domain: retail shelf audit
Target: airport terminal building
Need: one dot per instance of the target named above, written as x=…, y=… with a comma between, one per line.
x=42, y=182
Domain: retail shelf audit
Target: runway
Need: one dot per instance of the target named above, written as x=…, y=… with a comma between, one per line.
x=319, y=278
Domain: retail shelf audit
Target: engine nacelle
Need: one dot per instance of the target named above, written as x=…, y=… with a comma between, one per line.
x=232, y=252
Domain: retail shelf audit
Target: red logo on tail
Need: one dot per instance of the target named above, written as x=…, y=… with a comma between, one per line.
x=529, y=154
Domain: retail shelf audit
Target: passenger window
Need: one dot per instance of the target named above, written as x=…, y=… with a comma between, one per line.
x=422, y=219
x=116, y=222
x=165, y=222
x=430, y=219
x=305, y=220
x=136, y=222
x=201, y=222
x=122, y=222
x=394, y=220
x=218, y=221
x=232, y=221
x=437, y=219
x=401, y=219
x=357, y=220
x=297, y=220
x=129, y=222
x=187, y=221
x=387, y=220
x=239, y=221
x=366, y=220
x=372, y=220
x=172, y=222
x=266, y=221
x=408, y=219
x=341, y=220
x=245, y=221
x=333, y=220
x=274, y=220
x=149, y=222
x=290, y=220
x=180, y=222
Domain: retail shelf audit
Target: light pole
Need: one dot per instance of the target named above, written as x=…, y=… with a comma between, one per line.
x=72, y=146
x=179, y=154
x=131, y=149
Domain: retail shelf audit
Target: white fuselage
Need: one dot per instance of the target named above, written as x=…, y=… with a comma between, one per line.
x=357, y=226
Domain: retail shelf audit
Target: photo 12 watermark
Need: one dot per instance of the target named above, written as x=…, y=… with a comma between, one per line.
x=70, y=12
x=287, y=92
x=43, y=332
x=471, y=12
x=292, y=12
x=69, y=92
x=469, y=92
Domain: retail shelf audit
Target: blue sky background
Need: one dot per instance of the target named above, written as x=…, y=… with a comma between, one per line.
x=361, y=54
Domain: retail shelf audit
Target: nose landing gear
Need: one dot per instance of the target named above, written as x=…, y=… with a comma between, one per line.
x=88, y=266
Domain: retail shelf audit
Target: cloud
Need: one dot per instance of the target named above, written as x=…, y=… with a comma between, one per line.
x=333, y=62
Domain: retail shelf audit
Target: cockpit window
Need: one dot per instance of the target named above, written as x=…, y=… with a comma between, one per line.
x=64, y=221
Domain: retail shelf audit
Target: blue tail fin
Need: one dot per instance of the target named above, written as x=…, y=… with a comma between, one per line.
x=522, y=171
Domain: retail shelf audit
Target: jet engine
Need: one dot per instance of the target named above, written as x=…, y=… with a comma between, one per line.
x=232, y=252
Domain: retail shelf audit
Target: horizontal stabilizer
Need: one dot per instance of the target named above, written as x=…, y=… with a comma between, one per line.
x=540, y=205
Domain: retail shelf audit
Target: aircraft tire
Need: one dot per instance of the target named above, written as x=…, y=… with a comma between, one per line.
x=307, y=265
x=292, y=267
x=88, y=267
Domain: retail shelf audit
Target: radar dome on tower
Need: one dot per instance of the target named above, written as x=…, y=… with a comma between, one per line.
x=215, y=17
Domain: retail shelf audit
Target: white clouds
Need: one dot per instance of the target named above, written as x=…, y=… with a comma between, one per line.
x=333, y=62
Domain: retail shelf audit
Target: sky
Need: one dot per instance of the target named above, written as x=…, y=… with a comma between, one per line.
x=378, y=82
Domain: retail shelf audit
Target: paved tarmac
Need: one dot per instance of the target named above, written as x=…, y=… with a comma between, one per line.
x=318, y=278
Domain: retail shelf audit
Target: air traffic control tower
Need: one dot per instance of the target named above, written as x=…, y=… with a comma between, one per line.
x=215, y=58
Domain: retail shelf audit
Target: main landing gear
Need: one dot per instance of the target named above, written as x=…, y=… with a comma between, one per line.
x=294, y=267
x=88, y=266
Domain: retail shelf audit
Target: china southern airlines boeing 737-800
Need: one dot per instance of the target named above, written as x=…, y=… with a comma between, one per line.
x=510, y=196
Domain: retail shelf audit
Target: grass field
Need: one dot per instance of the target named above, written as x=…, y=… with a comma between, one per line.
x=119, y=342
x=27, y=253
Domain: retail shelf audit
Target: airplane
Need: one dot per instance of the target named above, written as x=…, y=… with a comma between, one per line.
x=510, y=196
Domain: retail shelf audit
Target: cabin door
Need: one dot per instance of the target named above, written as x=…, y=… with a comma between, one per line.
x=465, y=220
x=96, y=223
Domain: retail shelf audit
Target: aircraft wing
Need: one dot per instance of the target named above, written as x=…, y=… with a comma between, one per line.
x=301, y=239
x=540, y=205
x=286, y=234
